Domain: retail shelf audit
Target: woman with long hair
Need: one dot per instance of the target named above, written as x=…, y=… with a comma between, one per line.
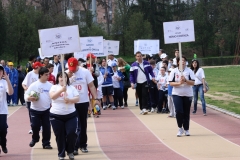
x=124, y=67
x=199, y=86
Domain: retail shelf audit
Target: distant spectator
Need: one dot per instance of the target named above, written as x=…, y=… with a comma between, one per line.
x=6, y=68
x=111, y=59
x=46, y=61
x=31, y=60
x=21, y=77
x=51, y=77
x=13, y=76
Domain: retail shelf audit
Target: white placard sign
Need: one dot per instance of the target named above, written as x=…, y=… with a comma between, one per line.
x=113, y=47
x=135, y=46
x=61, y=40
x=78, y=55
x=40, y=54
x=178, y=31
x=147, y=46
x=105, y=50
x=91, y=44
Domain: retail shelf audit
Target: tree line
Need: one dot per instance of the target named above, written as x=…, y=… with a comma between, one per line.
x=216, y=22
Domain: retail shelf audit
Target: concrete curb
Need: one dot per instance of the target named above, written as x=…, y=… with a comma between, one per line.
x=222, y=110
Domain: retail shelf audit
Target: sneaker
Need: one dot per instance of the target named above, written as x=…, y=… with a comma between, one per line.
x=136, y=103
x=14, y=104
x=205, y=114
x=152, y=110
x=109, y=105
x=113, y=107
x=8, y=104
x=104, y=107
x=47, y=147
x=40, y=129
x=61, y=158
x=125, y=105
x=164, y=110
x=84, y=149
x=122, y=107
x=145, y=112
x=24, y=104
x=187, y=133
x=75, y=152
x=141, y=112
x=180, y=132
x=194, y=112
x=71, y=156
x=5, y=150
x=32, y=143
x=30, y=132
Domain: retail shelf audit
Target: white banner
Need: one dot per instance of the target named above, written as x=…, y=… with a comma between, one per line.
x=61, y=40
x=78, y=55
x=113, y=47
x=91, y=44
x=179, y=31
x=40, y=54
x=105, y=50
x=146, y=46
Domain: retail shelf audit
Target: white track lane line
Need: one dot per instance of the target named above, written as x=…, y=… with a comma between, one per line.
x=14, y=112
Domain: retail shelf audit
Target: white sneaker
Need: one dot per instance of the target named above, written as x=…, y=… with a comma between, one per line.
x=104, y=107
x=122, y=107
x=187, y=133
x=152, y=110
x=180, y=132
x=113, y=107
x=41, y=129
x=30, y=132
x=141, y=112
x=145, y=112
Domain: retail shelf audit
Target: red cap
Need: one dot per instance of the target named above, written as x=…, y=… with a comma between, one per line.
x=72, y=64
x=37, y=64
x=91, y=55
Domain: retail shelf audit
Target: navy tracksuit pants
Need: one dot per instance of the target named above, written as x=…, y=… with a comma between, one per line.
x=65, y=130
x=3, y=130
x=38, y=119
x=82, y=111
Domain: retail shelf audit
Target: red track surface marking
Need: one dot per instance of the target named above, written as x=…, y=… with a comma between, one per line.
x=18, y=137
x=224, y=125
x=122, y=136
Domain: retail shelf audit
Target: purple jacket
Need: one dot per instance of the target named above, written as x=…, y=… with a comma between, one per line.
x=134, y=71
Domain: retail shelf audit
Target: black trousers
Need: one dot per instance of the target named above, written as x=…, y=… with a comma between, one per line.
x=28, y=105
x=21, y=95
x=3, y=130
x=142, y=92
x=182, y=109
x=162, y=98
x=154, y=96
x=65, y=130
x=39, y=118
x=125, y=94
x=82, y=111
x=118, y=97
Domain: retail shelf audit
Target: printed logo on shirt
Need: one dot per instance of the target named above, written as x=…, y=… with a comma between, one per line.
x=41, y=90
x=1, y=86
x=79, y=78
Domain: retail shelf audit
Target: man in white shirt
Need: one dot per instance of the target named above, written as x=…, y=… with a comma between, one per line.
x=31, y=77
x=82, y=80
x=111, y=59
x=39, y=109
x=57, y=65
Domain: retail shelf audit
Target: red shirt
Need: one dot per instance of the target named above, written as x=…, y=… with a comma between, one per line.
x=51, y=79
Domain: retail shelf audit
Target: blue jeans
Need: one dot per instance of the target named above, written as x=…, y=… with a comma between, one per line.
x=196, y=89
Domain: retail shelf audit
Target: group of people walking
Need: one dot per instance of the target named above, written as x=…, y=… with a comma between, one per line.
x=64, y=100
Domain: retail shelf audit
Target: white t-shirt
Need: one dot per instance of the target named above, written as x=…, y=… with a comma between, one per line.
x=109, y=61
x=30, y=78
x=3, y=97
x=155, y=72
x=199, y=76
x=141, y=77
x=184, y=89
x=115, y=80
x=175, y=61
x=44, y=100
x=59, y=107
x=162, y=81
x=80, y=81
x=100, y=79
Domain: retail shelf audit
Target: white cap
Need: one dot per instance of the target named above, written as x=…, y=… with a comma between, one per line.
x=170, y=69
x=164, y=55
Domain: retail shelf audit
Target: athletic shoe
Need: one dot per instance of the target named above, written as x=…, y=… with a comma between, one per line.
x=71, y=156
x=32, y=143
x=84, y=149
x=109, y=105
x=122, y=107
x=164, y=110
x=187, y=133
x=75, y=152
x=8, y=104
x=24, y=104
x=14, y=104
x=145, y=112
x=136, y=103
x=47, y=147
x=40, y=129
x=113, y=107
x=104, y=107
x=61, y=158
x=205, y=114
x=152, y=110
x=30, y=132
x=194, y=112
x=5, y=150
x=180, y=132
x=125, y=105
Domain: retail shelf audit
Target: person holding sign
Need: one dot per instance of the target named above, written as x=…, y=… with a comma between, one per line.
x=139, y=77
x=40, y=106
x=63, y=115
x=5, y=87
x=182, y=93
x=82, y=80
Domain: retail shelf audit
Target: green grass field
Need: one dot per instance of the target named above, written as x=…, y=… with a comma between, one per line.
x=225, y=87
